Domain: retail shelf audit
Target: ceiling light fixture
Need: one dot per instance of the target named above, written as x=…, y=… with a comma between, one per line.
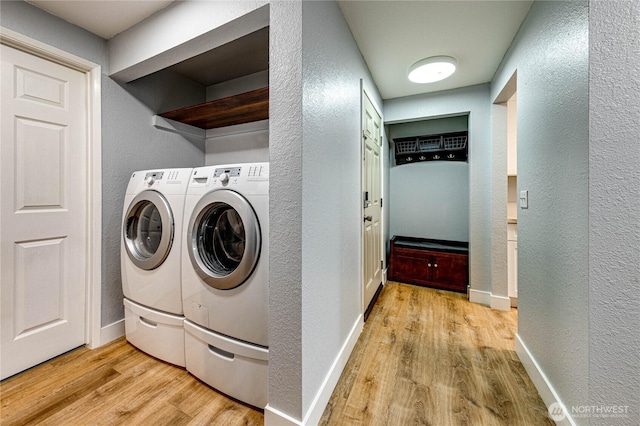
x=432, y=69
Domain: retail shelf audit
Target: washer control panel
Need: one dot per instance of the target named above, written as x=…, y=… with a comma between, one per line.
x=231, y=172
x=226, y=175
x=151, y=177
x=154, y=175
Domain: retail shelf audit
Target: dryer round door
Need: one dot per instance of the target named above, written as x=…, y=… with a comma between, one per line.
x=148, y=230
x=224, y=239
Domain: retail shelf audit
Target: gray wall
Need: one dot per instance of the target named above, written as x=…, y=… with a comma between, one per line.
x=473, y=100
x=550, y=53
x=315, y=295
x=331, y=206
x=242, y=143
x=429, y=199
x=285, y=209
x=126, y=132
x=35, y=23
x=614, y=208
x=130, y=143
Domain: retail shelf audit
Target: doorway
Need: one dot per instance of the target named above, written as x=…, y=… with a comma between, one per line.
x=506, y=197
x=50, y=220
x=372, y=242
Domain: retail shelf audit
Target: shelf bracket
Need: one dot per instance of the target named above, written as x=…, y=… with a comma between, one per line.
x=177, y=127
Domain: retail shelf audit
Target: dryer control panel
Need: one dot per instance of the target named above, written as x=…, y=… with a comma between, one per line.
x=231, y=172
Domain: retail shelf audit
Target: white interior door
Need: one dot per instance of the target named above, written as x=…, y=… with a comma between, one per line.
x=372, y=195
x=43, y=210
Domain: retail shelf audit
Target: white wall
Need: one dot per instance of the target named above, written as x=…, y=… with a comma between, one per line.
x=475, y=101
x=614, y=208
x=429, y=199
x=126, y=131
x=550, y=54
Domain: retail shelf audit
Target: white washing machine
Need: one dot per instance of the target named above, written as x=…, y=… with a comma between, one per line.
x=150, y=259
x=225, y=279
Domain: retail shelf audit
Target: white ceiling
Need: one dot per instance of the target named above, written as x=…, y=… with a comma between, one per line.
x=391, y=35
x=105, y=18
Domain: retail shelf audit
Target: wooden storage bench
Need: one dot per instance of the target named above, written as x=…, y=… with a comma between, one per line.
x=434, y=263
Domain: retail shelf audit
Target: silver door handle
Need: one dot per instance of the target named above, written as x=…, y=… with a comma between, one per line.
x=368, y=218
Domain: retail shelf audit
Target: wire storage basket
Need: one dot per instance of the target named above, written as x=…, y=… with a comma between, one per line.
x=444, y=147
x=455, y=142
x=430, y=143
x=406, y=147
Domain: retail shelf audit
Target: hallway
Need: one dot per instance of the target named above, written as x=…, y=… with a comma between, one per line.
x=430, y=357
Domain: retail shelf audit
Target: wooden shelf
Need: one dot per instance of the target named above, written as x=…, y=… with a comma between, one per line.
x=237, y=109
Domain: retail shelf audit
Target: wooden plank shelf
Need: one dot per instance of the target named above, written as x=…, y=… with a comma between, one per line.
x=238, y=109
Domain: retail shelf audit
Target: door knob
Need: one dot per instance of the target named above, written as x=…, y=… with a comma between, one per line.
x=368, y=218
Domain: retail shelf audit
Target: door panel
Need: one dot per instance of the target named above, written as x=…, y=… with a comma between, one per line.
x=39, y=146
x=372, y=207
x=38, y=306
x=43, y=210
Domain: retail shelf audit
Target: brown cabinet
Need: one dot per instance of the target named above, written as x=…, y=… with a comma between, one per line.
x=433, y=263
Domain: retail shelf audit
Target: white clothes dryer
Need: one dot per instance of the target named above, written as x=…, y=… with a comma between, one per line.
x=151, y=262
x=225, y=278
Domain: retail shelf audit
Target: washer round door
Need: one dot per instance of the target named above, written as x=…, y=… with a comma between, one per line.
x=148, y=230
x=224, y=239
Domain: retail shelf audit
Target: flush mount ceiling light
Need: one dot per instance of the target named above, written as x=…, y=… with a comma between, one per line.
x=432, y=69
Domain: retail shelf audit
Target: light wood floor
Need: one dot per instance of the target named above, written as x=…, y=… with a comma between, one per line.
x=425, y=357
x=115, y=385
x=429, y=357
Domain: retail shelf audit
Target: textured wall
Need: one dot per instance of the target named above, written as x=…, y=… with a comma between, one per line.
x=285, y=208
x=550, y=53
x=614, y=208
x=429, y=199
x=314, y=144
x=130, y=143
x=475, y=101
x=331, y=210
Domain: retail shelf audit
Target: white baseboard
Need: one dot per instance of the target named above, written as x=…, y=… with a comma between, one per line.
x=481, y=297
x=273, y=417
x=486, y=298
x=500, y=302
x=540, y=381
x=111, y=332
